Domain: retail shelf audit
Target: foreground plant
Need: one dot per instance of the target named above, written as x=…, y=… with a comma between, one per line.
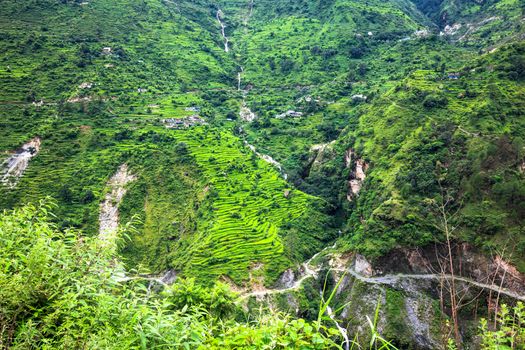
x=509, y=332
x=58, y=291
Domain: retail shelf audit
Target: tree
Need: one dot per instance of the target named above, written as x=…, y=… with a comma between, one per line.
x=362, y=69
x=444, y=224
x=357, y=52
x=88, y=197
x=66, y=194
x=287, y=65
x=433, y=101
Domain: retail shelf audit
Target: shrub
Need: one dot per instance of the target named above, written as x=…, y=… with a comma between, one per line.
x=509, y=332
x=433, y=101
x=58, y=290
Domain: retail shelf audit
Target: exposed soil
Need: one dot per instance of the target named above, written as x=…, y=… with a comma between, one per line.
x=109, y=214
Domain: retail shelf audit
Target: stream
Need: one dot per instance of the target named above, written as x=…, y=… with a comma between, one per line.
x=239, y=79
x=268, y=159
x=220, y=15
x=249, y=15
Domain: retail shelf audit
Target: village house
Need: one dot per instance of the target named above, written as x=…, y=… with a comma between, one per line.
x=290, y=113
x=192, y=109
x=359, y=98
x=180, y=123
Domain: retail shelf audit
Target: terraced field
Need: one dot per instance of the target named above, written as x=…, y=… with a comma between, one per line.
x=250, y=204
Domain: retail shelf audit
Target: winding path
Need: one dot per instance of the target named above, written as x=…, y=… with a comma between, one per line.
x=309, y=271
x=394, y=279
x=389, y=280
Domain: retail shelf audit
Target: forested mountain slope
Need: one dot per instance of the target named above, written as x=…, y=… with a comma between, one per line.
x=397, y=88
x=107, y=75
x=460, y=139
x=240, y=138
x=477, y=23
x=95, y=80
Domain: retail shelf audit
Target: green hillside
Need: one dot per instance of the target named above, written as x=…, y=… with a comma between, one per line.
x=261, y=133
x=480, y=24
x=101, y=108
x=242, y=212
x=431, y=135
x=95, y=80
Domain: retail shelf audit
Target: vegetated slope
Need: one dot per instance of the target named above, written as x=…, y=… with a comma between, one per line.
x=154, y=45
x=347, y=95
x=288, y=46
x=38, y=257
x=324, y=60
x=433, y=140
x=240, y=219
x=57, y=287
x=480, y=24
x=333, y=104
x=91, y=55
x=443, y=116
x=95, y=80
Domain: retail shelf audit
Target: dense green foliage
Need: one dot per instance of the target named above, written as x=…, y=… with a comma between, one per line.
x=102, y=108
x=430, y=137
x=433, y=113
x=509, y=332
x=426, y=97
x=58, y=290
x=242, y=213
x=94, y=117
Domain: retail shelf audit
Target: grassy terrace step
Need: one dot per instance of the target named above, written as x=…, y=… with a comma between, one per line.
x=248, y=209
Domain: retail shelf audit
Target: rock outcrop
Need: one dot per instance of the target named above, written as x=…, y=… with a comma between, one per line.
x=15, y=165
x=287, y=279
x=246, y=113
x=407, y=285
x=357, y=176
x=469, y=262
x=319, y=154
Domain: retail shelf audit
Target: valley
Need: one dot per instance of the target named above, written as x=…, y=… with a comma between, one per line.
x=353, y=169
